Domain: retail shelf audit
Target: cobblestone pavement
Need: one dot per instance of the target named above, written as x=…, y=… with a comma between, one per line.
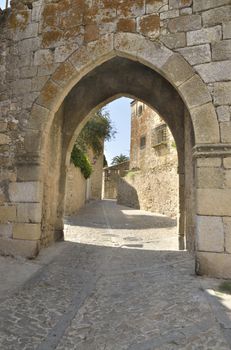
x=116, y=284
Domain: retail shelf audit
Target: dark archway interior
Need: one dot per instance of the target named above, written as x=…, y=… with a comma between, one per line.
x=119, y=76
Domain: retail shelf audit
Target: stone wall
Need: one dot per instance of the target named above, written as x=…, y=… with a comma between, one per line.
x=76, y=188
x=64, y=56
x=153, y=189
x=111, y=177
x=152, y=182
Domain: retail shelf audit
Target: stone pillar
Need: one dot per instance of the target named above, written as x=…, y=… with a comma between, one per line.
x=20, y=218
x=213, y=206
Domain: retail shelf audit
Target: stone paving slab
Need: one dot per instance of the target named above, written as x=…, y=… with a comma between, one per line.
x=92, y=296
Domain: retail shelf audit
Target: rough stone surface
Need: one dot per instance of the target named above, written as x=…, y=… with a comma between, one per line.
x=204, y=35
x=210, y=177
x=227, y=226
x=222, y=93
x=225, y=131
x=227, y=30
x=214, y=262
x=210, y=234
x=24, y=192
x=216, y=15
x=224, y=113
x=102, y=291
x=221, y=50
x=199, y=5
x=208, y=162
x=227, y=162
x=184, y=23
x=207, y=200
x=202, y=116
x=215, y=71
x=27, y=231
x=196, y=54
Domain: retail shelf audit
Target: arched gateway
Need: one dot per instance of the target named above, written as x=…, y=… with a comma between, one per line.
x=121, y=62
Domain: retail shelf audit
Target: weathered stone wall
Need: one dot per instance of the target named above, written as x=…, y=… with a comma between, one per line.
x=152, y=182
x=51, y=50
x=97, y=178
x=111, y=177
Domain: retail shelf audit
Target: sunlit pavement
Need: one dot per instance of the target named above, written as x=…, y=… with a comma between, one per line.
x=118, y=282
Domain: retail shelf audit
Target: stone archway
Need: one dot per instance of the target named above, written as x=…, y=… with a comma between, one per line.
x=190, y=100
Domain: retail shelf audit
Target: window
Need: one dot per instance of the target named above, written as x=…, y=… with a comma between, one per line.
x=140, y=110
x=159, y=135
x=142, y=142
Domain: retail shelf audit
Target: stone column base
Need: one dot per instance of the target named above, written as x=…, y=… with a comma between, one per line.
x=213, y=264
x=16, y=247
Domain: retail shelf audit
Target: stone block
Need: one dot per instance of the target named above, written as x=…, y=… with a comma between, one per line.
x=215, y=71
x=6, y=230
x=153, y=5
x=210, y=233
x=31, y=232
x=216, y=16
x=22, y=248
x=127, y=44
x=48, y=95
x=64, y=73
x=7, y=213
x=222, y=93
x=184, y=23
x=25, y=192
x=149, y=25
x=177, y=70
x=196, y=54
x=195, y=92
x=42, y=57
x=227, y=162
x=3, y=126
x=175, y=4
x=225, y=132
x=169, y=14
x=94, y=51
x=174, y=41
x=31, y=31
x=223, y=113
x=91, y=32
x=227, y=30
x=214, y=202
x=204, y=36
x=64, y=51
x=28, y=173
x=39, y=116
x=210, y=177
x=29, y=212
x=126, y=25
x=228, y=178
x=4, y=139
x=28, y=72
x=221, y=50
x=214, y=264
x=209, y=162
x=186, y=11
x=227, y=227
x=202, y=5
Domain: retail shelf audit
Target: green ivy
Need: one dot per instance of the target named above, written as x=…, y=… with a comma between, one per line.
x=79, y=159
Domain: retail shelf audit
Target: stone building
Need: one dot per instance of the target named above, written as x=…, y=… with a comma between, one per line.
x=78, y=189
x=111, y=178
x=62, y=60
x=152, y=182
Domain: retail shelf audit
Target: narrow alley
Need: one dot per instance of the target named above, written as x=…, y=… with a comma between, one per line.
x=118, y=282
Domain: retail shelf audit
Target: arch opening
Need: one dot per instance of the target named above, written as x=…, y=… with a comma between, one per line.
x=118, y=76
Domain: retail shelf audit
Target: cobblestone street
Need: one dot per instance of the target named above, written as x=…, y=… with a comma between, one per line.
x=117, y=283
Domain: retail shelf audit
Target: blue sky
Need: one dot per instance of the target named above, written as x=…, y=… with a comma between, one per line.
x=120, y=113
x=2, y=3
